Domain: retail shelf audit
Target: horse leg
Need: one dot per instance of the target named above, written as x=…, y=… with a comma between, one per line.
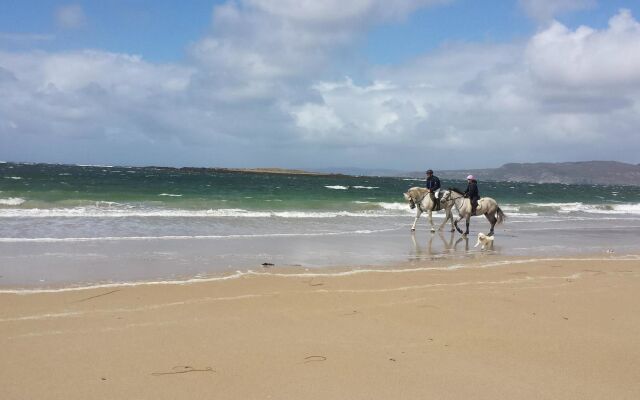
x=447, y=215
x=413, y=227
x=433, y=229
x=455, y=223
x=451, y=218
x=467, y=221
x=446, y=218
x=492, y=220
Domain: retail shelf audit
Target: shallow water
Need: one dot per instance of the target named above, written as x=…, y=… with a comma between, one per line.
x=72, y=225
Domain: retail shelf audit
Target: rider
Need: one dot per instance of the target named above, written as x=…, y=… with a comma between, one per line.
x=472, y=193
x=433, y=185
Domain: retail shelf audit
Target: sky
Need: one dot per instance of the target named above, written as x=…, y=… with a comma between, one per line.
x=393, y=84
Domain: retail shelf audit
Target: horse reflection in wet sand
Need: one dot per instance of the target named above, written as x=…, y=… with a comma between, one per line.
x=448, y=245
x=419, y=199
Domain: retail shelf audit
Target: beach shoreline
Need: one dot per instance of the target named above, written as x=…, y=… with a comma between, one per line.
x=51, y=263
x=496, y=327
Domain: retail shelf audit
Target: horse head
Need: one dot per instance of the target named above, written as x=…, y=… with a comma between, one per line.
x=412, y=203
x=414, y=195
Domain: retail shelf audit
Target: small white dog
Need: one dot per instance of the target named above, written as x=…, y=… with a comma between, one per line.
x=485, y=241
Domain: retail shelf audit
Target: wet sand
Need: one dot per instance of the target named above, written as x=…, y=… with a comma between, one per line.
x=55, y=262
x=500, y=327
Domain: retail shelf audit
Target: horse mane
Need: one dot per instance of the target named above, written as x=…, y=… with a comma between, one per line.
x=456, y=190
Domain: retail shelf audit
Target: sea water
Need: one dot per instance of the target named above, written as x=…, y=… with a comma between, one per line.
x=72, y=225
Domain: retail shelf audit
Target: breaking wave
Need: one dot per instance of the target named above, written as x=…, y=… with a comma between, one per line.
x=12, y=201
x=379, y=210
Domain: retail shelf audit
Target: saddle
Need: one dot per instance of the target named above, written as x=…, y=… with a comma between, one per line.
x=474, y=205
x=436, y=200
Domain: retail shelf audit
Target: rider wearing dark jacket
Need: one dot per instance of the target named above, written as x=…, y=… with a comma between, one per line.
x=433, y=184
x=472, y=193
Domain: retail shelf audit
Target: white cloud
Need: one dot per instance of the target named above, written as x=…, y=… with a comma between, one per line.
x=87, y=93
x=587, y=58
x=260, y=40
x=337, y=12
x=545, y=10
x=562, y=88
x=370, y=114
x=70, y=17
x=260, y=89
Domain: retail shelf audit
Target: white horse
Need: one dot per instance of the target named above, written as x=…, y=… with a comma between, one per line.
x=419, y=198
x=486, y=205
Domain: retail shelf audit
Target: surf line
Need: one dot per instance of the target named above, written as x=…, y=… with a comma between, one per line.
x=186, y=237
x=239, y=274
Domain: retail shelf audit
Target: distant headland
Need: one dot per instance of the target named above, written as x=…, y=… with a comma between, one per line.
x=584, y=172
x=580, y=172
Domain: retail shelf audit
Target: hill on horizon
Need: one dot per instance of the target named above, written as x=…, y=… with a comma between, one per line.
x=579, y=172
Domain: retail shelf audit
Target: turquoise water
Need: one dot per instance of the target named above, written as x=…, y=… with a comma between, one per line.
x=102, y=190
x=76, y=225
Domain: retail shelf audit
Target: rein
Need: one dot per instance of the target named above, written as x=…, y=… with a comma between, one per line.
x=455, y=199
x=419, y=202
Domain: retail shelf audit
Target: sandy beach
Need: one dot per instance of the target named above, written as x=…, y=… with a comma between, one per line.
x=496, y=328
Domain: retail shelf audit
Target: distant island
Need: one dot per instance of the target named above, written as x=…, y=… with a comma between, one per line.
x=281, y=171
x=583, y=172
x=580, y=172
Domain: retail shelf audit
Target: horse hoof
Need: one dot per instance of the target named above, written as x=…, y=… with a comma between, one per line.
x=433, y=230
x=490, y=233
x=413, y=230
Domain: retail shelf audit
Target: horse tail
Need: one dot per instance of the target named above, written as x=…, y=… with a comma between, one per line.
x=500, y=214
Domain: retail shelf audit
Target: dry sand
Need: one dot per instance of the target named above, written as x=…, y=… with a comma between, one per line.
x=555, y=329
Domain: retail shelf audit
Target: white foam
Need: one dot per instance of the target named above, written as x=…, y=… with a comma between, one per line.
x=239, y=274
x=103, y=203
x=565, y=208
x=336, y=187
x=115, y=211
x=170, y=195
x=12, y=201
x=394, y=206
x=627, y=208
x=556, y=205
x=13, y=177
x=187, y=237
x=366, y=187
x=524, y=215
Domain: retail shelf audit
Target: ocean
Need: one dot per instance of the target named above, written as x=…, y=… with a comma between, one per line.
x=76, y=225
